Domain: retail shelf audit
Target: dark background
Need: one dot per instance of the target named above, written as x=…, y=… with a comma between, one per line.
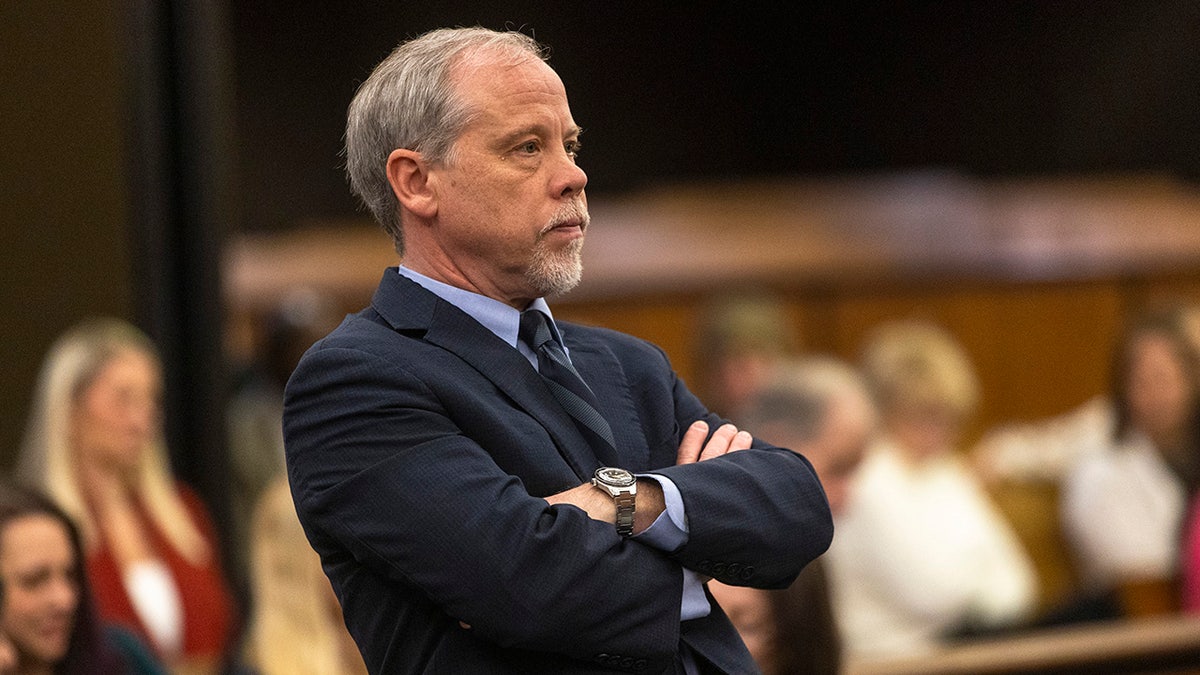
x=666, y=92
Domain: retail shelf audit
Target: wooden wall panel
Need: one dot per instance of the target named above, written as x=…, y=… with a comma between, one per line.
x=1039, y=349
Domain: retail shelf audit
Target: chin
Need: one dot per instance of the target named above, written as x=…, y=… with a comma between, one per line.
x=556, y=274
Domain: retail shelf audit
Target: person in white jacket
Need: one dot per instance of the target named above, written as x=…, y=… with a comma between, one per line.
x=920, y=553
x=1124, y=463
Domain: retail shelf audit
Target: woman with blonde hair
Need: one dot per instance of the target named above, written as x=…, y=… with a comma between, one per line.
x=94, y=444
x=920, y=552
x=296, y=626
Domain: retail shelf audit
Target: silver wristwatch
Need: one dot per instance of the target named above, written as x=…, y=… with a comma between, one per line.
x=622, y=486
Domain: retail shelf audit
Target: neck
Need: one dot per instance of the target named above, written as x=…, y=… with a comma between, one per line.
x=454, y=275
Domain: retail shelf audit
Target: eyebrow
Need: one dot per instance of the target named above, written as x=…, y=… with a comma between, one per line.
x=537, y=130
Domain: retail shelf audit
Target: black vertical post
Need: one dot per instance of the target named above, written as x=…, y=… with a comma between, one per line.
x=181, y=167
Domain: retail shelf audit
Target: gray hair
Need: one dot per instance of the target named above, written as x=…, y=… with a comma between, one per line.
x=798, y=397
x=409, y=101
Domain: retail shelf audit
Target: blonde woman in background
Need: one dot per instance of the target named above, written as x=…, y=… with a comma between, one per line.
x=920, y=552
x=296, y=626
x=94, y=444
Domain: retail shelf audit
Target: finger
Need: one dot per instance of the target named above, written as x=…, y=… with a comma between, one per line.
x=719, y=443
x=741, y=441
x=692, y=443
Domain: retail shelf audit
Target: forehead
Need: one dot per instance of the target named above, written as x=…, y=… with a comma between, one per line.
x=506, y=83
x=124, y=367
x=29, y=539
x=129, y=361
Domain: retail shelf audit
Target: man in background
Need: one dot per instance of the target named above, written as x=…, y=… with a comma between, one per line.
x=820, y=407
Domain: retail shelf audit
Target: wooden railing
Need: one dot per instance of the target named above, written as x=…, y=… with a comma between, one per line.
x=1150, y=645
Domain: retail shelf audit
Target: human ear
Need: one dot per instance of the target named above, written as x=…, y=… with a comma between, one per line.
x=408, y=174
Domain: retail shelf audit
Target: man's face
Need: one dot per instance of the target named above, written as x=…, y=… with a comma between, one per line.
x=511, y=210
x=837, y=451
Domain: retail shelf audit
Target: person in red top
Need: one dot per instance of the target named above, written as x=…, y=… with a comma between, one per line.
x=94, y=444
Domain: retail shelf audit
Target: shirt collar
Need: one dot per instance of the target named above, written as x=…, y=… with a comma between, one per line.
x=496, y=316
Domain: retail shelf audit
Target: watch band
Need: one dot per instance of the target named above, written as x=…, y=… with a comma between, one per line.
x=625, y=509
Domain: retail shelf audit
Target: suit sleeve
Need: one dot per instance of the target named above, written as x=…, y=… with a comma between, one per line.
x=379, y=469
x=755, y=517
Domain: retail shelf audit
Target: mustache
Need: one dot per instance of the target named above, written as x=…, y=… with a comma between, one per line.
x=571, y=213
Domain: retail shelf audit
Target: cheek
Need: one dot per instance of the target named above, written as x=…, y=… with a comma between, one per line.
x=93, y=417
x=19, y=611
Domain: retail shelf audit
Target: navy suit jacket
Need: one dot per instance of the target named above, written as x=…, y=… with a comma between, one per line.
x=419, y=447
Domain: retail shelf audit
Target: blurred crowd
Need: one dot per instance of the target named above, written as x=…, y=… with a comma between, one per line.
x=922, y=557
x=108, y=564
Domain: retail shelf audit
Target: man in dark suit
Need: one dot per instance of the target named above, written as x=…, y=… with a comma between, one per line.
x=491, y=491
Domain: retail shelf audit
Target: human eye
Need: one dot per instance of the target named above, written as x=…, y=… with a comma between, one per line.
x=573, y=147
x=33, y=579
x=529, y=147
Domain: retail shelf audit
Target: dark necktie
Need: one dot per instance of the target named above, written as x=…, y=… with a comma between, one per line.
x=568, y=388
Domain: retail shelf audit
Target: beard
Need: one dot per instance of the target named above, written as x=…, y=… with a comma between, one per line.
x=554, y=272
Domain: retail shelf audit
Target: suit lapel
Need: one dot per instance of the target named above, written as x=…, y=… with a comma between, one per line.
x=599, y=367
x=409, y=307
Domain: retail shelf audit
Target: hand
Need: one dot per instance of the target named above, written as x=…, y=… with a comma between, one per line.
x=724, y=440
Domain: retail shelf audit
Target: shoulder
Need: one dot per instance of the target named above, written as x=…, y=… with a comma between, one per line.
x=366, y=331
x=364, y=345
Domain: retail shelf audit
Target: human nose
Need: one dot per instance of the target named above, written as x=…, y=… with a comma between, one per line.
x=144, y=414
x=571, y=179
x=64, y=594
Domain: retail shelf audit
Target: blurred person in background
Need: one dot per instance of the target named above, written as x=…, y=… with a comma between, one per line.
x=8, y=653
x=296, y=625
x=1048, y=450
x=1123, y=503
x=921, y=554
x=255, y=412
x=1190, y=601
x=741, y=338
x=94, y=444
x=752, y=614
x=47, y=619
x=821, y=408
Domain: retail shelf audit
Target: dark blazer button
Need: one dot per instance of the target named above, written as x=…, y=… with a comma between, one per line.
x=640, y=664
x=601, y=658
x=614, y=661
x=733, y=571
x=747, y=572
x=718, y=570
x=627, y=662
x=704, y=566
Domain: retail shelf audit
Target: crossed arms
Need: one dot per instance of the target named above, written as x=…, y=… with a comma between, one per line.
x=399, y=494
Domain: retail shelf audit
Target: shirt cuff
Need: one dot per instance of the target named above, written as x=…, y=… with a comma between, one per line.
x=669, y=531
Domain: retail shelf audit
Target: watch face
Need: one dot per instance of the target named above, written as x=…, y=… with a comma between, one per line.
x=617, y=477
